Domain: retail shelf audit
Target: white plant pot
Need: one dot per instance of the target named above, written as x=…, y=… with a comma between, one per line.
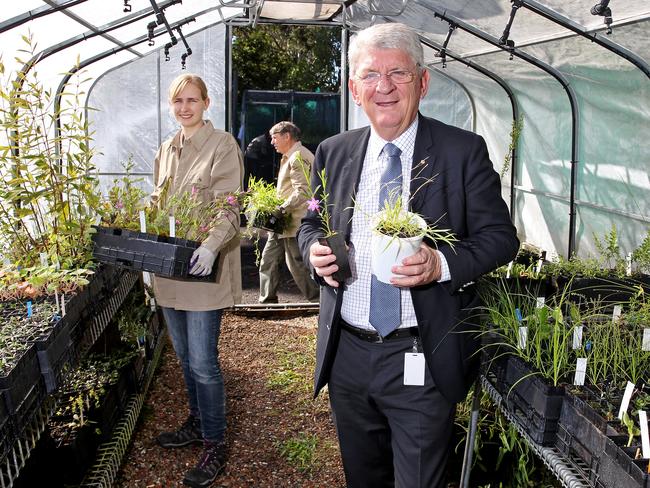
x=388, y=251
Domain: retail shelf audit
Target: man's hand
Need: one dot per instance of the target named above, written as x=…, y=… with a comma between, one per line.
x=421, y=268
x=323, y=260
x=202, y=261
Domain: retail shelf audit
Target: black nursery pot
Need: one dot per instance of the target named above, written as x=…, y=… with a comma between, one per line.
x=337, y=244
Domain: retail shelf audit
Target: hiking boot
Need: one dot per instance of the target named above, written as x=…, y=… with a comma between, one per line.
x=211, y=464
x=188, y=433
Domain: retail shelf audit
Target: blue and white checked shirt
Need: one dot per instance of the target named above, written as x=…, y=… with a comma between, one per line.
x=356, y=299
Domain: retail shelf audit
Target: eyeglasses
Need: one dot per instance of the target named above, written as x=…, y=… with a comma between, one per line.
x=398, y=77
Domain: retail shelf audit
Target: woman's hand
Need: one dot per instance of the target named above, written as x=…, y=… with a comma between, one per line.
x=202, y=261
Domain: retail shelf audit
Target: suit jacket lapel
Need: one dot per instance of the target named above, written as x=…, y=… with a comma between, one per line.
x=352, y=167
x=423, y=164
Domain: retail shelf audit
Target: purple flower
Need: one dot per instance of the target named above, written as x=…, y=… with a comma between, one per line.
x=194, y=190
x=119, y=204
x=231, y=200
x=313, y=204
x=204, y=228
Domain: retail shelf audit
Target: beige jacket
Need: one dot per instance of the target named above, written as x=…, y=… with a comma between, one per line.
x=211, y=162
x=293, y=186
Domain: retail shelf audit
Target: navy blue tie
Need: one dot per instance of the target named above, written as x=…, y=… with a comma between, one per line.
x=385, y=302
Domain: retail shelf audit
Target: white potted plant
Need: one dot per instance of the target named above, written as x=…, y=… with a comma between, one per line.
x=398, y=233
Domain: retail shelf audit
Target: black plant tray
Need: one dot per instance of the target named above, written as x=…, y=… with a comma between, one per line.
x=583, y=433
x=7, y=434
x=164, y=256
x=24, y=389
x=606, y=291
x=55, y=352
x=536, y=404
x=618, y=468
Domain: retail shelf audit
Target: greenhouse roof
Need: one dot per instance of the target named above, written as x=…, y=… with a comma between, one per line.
x=574, y=72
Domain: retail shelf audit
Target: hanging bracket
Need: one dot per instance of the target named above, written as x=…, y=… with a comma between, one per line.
x=188, y=50
x=442, y=53
x=602, y=9
x=160, y=20
x=504, y=40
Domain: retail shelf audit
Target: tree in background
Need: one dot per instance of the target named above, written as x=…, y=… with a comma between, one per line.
x=281, y=57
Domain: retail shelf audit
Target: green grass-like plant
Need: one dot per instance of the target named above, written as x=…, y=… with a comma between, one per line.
x=301, y=451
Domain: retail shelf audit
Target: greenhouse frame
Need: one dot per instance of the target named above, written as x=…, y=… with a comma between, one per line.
x=558, y=89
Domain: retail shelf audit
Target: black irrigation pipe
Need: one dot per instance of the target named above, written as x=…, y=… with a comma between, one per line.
x=513, y=103
x=45, y=53
x=98, y=57
x=599, y=39
x=442, y=14
x=122, y=47
x=89, y=35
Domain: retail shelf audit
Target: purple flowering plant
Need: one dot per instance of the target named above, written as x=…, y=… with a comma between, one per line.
x=194, y=216
x=318, y=205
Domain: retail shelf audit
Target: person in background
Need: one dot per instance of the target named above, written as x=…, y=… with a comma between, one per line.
x=395, y=370
x=259, y=158
x=207, y=162
x=292, y=188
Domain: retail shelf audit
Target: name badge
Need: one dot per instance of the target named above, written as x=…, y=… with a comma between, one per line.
x=414, y=369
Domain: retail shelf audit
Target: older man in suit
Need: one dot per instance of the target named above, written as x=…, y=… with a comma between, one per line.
x=395, y=430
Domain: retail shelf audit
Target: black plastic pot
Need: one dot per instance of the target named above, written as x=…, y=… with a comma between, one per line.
x=270, y=222
x=337, y=244
x=536, y=404
x=164, y=256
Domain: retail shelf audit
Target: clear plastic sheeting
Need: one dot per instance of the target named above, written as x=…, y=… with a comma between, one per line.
x=581, y=162
x=133, y=130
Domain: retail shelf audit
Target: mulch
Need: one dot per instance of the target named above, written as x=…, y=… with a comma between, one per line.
x=260, y=417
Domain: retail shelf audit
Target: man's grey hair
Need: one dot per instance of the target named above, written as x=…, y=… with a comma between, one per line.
x=385, y=36
x=286, y=127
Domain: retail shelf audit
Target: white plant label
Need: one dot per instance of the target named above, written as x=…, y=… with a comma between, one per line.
x=509, y=270
x=152, y=304
x=645, y=343
x=540, y=302
x=616, y=314
x=172, y=226
x=577, y=337
x=62, y=304
x=43, y=257
x=539, y=266
x=143, y=222
x=146, y=277
x=625, y=403
x=56, y=297
x=628, y=265
x=645, y=440
x=581, y=372
x=523, y=337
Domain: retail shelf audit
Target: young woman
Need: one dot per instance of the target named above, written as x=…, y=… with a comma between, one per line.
x=207, y=162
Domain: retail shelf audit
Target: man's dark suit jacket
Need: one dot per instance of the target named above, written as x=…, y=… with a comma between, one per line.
x=464, y=196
